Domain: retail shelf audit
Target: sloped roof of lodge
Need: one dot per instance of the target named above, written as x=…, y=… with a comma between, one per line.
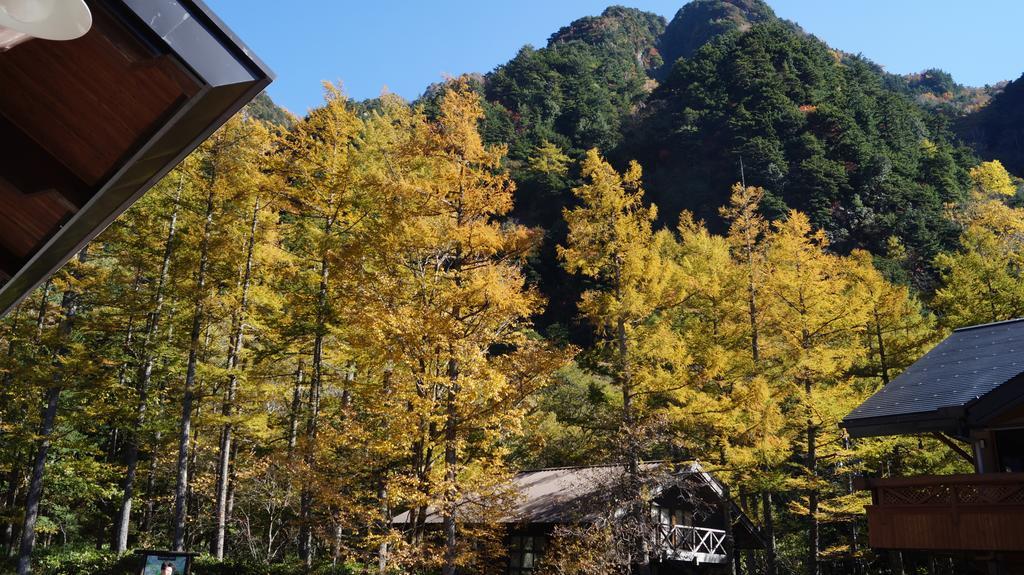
x=560, y=495
x=548, y=495
x=972, y=377
x=552, y=495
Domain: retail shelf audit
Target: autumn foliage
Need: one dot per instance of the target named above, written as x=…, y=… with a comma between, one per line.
x=304, y=333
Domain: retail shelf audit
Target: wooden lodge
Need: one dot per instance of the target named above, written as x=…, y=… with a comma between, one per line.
x=698, y=531
x=968, y=392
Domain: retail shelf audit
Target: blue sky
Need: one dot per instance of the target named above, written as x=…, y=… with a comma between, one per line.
x=405, y=45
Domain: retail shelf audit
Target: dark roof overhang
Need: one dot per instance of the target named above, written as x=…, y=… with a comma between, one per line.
x=970, y=380
x=947, y=420
x=93, y=123
x=957, y=421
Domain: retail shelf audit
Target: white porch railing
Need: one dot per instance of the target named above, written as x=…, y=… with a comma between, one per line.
x=685, y=543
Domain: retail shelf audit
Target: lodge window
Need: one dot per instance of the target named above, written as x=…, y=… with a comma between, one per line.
x=671, y=517
x=524, y=552
x=1009, y=445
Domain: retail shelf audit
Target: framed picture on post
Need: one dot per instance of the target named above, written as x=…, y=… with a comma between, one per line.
x=165, y=563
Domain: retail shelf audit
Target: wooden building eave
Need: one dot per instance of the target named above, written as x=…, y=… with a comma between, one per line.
x=99, y=120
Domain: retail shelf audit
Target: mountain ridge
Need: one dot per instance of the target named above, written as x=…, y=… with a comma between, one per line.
x=866, y=153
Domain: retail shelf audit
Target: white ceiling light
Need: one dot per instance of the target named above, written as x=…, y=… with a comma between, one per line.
x=21, y=20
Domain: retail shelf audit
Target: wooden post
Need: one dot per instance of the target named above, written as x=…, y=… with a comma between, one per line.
x=896, y=562
x=769, y=533
x=751, y=512
x=995, y=565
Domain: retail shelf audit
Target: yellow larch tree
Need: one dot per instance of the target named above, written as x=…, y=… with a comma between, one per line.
x=611, y=241
x=759, y=449
x=324, y=208
x=454, y=322
x=982, y=281
x=816, y=313
x=709, y=328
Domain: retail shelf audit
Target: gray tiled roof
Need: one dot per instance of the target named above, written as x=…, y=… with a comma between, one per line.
x=968, y=364
x=553, y=495
x=548, y=495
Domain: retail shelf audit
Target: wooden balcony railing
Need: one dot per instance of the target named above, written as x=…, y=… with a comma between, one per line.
x=696, y=544
x=978, y=512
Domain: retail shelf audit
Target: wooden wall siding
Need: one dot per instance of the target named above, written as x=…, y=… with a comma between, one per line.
x=980, y=512
x=970, y=528
x=70, y=115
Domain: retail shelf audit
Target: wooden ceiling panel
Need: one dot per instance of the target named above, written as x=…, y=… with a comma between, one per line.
x=9, y=264
x=30, y=169
x=26, y=221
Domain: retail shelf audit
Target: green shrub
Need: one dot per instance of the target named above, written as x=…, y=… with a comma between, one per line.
x=91, y=561
x=94, y=562
x=206, y=565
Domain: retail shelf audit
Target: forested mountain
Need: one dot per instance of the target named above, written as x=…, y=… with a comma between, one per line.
x=576, y=91
x=937, y=91
x=264, y=109
x=725, y=92
x=817, y=129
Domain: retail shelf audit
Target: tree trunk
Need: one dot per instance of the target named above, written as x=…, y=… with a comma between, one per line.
x=812, y=496
x=854, y=543
x=232, y=481
x=147, y=517
x=382, y=495
x=628, y=421
x=142, y=382
x=385, y=524
x=236, y=345
x=451, y=470
x=306, y=497
x=34, y=496
x=882, y=360
x=293, y=413
x=185, y=434
x=14, y=477
x=191, y=500
x=35, y=488
x=336, y=541
x=730, y=542
x=423, y=463
x=422, y=460
x=10, y=499
x=769, y=533
x=316, y=381
x=748, y=554
x=755, y=344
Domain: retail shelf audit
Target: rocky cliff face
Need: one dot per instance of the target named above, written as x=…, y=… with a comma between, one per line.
x=700, y=21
